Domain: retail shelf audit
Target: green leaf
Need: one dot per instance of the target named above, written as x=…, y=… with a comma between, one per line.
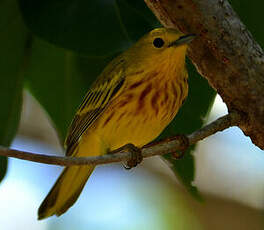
x=3, y=167
x=12, y=46
x=144, y=11
x=190, y=118
x=59, y=80
x=251, y=15
x=96, y=27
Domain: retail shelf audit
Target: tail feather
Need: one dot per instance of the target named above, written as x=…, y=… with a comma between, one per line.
x=65, y=192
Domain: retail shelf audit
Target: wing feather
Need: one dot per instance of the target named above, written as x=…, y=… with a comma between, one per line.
x=94, y=103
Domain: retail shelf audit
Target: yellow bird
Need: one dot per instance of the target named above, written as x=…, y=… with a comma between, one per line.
x=132, y=101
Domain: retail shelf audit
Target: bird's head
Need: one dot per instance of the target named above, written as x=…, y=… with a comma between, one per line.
x=160, y=45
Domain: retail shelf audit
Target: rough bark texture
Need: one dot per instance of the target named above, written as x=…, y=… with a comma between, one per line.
x=224, y=52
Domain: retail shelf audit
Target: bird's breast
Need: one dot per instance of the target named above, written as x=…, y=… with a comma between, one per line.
x=142, y=111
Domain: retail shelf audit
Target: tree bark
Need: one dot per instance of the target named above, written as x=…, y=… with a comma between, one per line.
x=224, y=52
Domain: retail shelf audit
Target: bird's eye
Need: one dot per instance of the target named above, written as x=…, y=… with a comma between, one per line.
x=158, y=42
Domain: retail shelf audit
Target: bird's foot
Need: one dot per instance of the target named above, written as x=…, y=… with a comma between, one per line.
x=184, y=144
x=136, y=156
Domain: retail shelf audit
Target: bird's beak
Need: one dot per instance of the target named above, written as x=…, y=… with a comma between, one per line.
x=183, y=40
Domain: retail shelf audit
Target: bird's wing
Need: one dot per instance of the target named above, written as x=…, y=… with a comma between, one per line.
x=93, y=105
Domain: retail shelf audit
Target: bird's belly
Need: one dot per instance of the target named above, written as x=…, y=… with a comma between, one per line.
x=138, y=130
x=136, y=123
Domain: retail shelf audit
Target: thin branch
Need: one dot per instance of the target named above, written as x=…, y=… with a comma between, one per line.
x=222, y=123
x=158, y=148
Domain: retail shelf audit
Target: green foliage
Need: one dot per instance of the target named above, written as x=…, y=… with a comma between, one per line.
x=69, y=46
x=58, y=78
x=251, y=15
x=78, y=26
x=12, y=46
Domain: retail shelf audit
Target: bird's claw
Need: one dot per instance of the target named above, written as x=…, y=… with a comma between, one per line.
x=136, y=156
x=184, y=143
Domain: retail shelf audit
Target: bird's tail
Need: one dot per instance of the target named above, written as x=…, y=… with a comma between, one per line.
x=65, y=191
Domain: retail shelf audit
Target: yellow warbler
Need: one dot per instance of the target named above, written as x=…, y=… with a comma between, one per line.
x=132, y=101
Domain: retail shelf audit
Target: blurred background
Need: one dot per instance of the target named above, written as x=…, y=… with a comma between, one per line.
x=55, y=51
x=229, y=174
